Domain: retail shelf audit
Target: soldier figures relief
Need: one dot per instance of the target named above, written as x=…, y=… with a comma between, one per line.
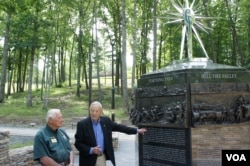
x=202, y=113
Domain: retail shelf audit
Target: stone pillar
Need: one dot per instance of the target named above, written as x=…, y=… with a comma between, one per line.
x=4, y=147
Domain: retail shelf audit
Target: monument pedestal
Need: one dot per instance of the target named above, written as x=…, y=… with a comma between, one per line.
x=176, y=101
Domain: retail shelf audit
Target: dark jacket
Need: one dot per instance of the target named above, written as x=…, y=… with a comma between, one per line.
x=85, y=139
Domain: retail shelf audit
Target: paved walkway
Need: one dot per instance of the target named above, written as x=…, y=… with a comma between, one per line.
x=126, y=154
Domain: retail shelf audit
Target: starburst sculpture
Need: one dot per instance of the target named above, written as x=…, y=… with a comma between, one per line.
x=192, y=21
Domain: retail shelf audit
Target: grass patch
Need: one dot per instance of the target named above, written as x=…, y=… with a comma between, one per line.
x=15, y=112
x=20, y=145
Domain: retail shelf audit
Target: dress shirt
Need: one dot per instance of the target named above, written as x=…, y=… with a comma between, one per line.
x=98, y=134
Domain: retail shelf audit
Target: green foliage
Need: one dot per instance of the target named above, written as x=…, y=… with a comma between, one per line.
x=15, y=112
x=50, y=31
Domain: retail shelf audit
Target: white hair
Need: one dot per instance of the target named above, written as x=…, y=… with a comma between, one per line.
x=52, y=114
x=95, y=104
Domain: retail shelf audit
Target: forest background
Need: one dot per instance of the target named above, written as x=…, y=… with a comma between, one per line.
x=96, y=50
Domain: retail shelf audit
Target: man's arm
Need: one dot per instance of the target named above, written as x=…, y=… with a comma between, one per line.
x=48, y=161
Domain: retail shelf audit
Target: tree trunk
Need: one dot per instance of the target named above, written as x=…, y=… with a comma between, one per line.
x=10, y=77
x=4, y=58
x=25, y=66
x=32, y=58
x=211, y=40
x=29, y=95
x=144, y=40
x=79, y=59
x=236, y=44
x=160, y=51
x=155, y=35
x=124, y=64
x=37, y=73
x=70, y=60
x=117, y=33
x=47, y=79
x=43, y=78
x=134, y=48
x=97, y=56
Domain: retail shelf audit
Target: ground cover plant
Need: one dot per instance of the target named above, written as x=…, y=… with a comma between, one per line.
x=15, y=112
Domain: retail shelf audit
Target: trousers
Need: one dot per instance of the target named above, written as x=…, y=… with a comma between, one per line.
x=101, y=160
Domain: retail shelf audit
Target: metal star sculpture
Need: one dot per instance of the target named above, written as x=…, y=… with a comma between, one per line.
x=191, y=21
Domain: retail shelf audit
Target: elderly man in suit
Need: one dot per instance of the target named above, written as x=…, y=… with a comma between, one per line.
x=93, y=137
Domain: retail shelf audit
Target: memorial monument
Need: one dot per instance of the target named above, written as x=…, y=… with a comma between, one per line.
x=189, y=93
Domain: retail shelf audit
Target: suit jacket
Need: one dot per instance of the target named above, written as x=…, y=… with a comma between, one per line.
x=85, y=139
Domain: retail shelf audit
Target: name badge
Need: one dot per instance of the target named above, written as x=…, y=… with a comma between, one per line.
x=53, y=140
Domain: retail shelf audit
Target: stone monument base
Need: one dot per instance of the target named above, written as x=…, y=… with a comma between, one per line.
x=208, y=141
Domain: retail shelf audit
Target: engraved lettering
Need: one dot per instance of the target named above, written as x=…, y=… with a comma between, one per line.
x=155, y=80
x=206, y=76
x=168, y=78
x=218, y=76
x=229, y=76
